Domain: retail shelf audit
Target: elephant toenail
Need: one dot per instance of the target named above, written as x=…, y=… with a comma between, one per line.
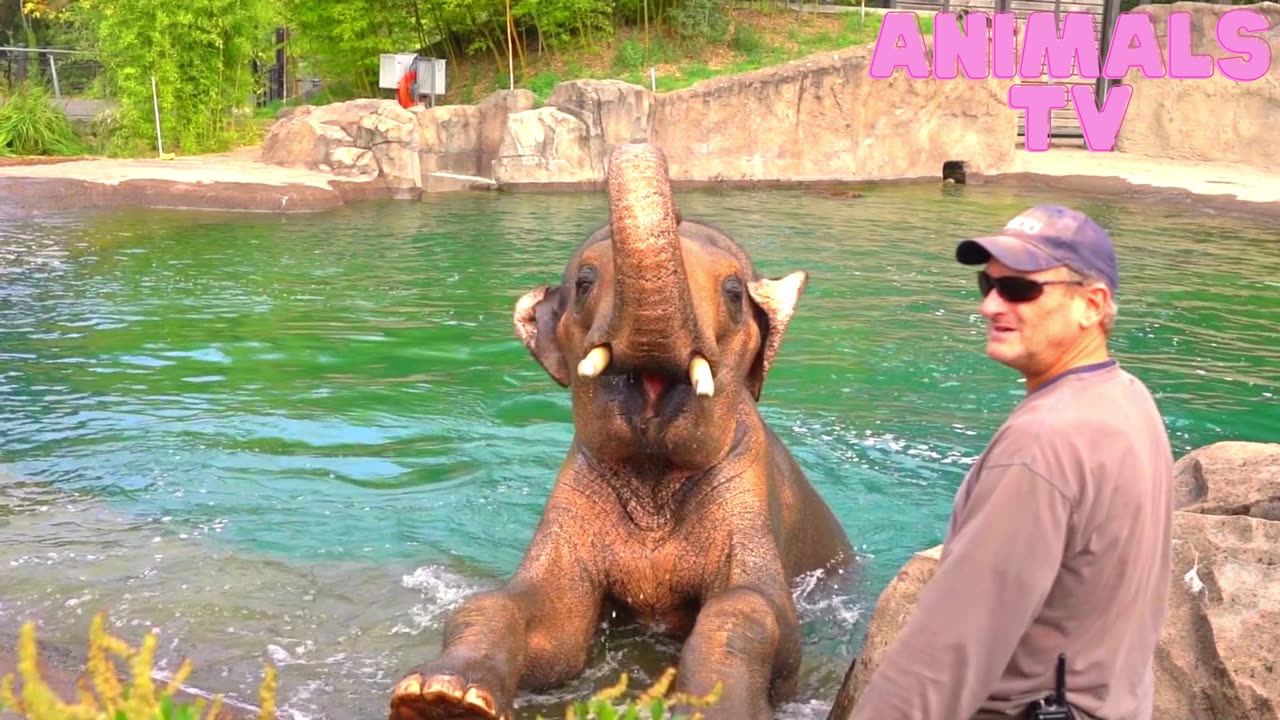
x=443, y=685
x=411, y=685
x=478, y=698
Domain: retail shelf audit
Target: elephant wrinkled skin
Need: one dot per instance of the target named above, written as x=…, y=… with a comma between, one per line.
x=676, y=505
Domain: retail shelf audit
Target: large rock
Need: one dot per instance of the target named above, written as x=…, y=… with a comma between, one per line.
x=892, y=611
x=1230, y=478
x=615, y=113
x=451, y=140
x=353, y=161
x=494, y=111
x=547, y=145
x=1213, y=119
x=464, y=140
x=304, y=136
x=569, y=138
x=330, y=138
x=1217, y=655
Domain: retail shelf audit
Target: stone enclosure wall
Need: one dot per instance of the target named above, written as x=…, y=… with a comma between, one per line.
x=1213, y=119
x=818, y=118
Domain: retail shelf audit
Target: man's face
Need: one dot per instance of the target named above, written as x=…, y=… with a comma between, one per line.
x=1032, y=336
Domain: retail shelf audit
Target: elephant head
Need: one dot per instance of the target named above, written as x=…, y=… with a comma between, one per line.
x=662, y=328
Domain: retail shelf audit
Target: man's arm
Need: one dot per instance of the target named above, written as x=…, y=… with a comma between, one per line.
x=996, y=571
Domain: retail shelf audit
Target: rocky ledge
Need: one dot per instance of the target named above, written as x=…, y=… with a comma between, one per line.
x=819, y=118
x=1217, y=656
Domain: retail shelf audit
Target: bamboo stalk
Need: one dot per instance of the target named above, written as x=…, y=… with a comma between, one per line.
x=511, y=61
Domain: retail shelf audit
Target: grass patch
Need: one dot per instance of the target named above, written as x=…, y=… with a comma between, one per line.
x=32, y=124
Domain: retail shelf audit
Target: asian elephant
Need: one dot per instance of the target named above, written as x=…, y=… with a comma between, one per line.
x=676, y=505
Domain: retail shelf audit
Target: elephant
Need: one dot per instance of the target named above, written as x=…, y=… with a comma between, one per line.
x=676, y=506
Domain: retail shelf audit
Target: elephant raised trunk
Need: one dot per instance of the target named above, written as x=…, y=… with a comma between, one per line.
x=654, y=324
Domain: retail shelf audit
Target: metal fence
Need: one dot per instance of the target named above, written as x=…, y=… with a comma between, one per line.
x=273, y=81
x=68, y=73
x=70, y=76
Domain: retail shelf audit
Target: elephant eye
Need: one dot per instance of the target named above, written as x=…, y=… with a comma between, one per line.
x=732, y=289
x=582, y=285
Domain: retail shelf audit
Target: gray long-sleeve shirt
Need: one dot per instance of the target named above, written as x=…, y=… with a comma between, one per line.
x=1060, y=541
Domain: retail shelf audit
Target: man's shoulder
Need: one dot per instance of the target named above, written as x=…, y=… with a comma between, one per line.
x=1092, y=399
x=1073, y=421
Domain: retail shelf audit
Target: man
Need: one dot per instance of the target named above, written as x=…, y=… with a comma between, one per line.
x=1059, y=540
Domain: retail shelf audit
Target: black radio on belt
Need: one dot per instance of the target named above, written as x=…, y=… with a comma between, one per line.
x=1054, y=707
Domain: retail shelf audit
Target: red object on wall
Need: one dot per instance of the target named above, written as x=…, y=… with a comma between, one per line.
x=404, y=94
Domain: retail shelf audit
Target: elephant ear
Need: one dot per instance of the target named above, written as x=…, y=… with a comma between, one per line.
x=537, y=314
x=777, y=301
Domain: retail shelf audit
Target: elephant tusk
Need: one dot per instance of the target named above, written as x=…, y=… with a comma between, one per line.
x=595, y=362
x=700, y=376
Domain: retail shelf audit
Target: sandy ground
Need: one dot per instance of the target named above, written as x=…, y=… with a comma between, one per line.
x=240, y=166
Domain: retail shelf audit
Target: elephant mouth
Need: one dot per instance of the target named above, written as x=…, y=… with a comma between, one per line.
x=648, y=394
x=649, y=397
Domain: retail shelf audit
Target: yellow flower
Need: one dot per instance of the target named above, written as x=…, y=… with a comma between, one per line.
x=108, y=699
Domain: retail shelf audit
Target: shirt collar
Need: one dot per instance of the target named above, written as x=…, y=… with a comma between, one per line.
x=1080, y=369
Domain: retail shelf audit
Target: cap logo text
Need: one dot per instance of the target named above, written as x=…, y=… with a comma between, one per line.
x=1031, y=226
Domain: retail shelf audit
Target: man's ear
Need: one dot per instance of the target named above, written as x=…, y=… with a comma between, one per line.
x=537, y=314
x=1095, y=299
x=776, y=304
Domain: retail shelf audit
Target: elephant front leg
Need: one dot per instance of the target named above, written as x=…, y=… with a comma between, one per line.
x=748, y=642
x=535, y=632
x=477, y=674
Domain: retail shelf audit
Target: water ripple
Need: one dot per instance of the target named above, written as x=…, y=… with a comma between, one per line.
x=311, y=436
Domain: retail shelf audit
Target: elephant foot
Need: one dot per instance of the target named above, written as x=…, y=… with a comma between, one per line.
x=442, y=696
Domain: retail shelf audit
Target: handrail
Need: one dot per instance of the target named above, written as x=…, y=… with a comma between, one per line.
x=49, y=50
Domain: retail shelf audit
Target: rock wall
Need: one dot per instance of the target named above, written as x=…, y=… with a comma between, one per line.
x=821, y=117
x=1213, y=119
x=1217, y=655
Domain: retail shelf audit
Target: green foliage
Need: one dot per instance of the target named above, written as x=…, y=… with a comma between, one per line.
x=198, y=51
x=653, y=704
x=700, y=21
x=542, y=84
x=558, y=23
x=342, y=39
x=31, y=124
x=746, y=40
x=102, y=696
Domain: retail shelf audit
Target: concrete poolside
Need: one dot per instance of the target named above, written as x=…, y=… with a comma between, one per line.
x=1244, y=182
x=241, y=181
x=239, y=166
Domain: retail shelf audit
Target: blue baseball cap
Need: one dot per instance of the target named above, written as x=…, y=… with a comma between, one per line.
x=1044, y=237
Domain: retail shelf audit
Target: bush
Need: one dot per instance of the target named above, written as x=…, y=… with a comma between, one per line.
x=198, y=51
x=108, y=699
x=31, y=124
x=652, y=704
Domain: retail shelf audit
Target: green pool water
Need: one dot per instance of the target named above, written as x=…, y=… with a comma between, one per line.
x=304, y=439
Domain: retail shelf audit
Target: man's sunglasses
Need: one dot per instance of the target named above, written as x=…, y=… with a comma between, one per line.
x=1016, y=289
